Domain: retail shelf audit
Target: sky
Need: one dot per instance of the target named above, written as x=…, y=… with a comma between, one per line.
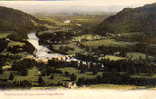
x=60, y=6
x=83, y=2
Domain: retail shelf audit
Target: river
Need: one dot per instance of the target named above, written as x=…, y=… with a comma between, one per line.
x=42, y=52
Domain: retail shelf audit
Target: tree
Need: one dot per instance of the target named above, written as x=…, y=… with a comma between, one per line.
x=40, y=80
x=66, y=73
x=11, y=77
x=52, y=77
x=73, y=77
x=25, y=84
x=81, y=81
x=23, y=72
x=47, y=70
x=1, y=70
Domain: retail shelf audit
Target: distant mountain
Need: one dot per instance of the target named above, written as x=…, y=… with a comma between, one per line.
x=141, y=19
x=15, y=20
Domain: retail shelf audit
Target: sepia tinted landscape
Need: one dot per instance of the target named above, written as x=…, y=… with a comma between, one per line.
x=78, y=48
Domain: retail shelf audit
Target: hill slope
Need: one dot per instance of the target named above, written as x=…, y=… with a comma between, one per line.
x=15, y=20
x=141, y=19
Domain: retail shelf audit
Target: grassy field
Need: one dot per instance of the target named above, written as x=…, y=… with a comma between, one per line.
x=86, y=75
x=4, y=35
x=32, y=76
x=115, y=86
x=69, y=70
x=15, y=43
x=137, y=56
x=113, y=58
x=106, y=43
x=87, y=37
x=70, y=48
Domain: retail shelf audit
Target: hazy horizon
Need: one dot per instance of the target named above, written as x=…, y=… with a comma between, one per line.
x=75, y=6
